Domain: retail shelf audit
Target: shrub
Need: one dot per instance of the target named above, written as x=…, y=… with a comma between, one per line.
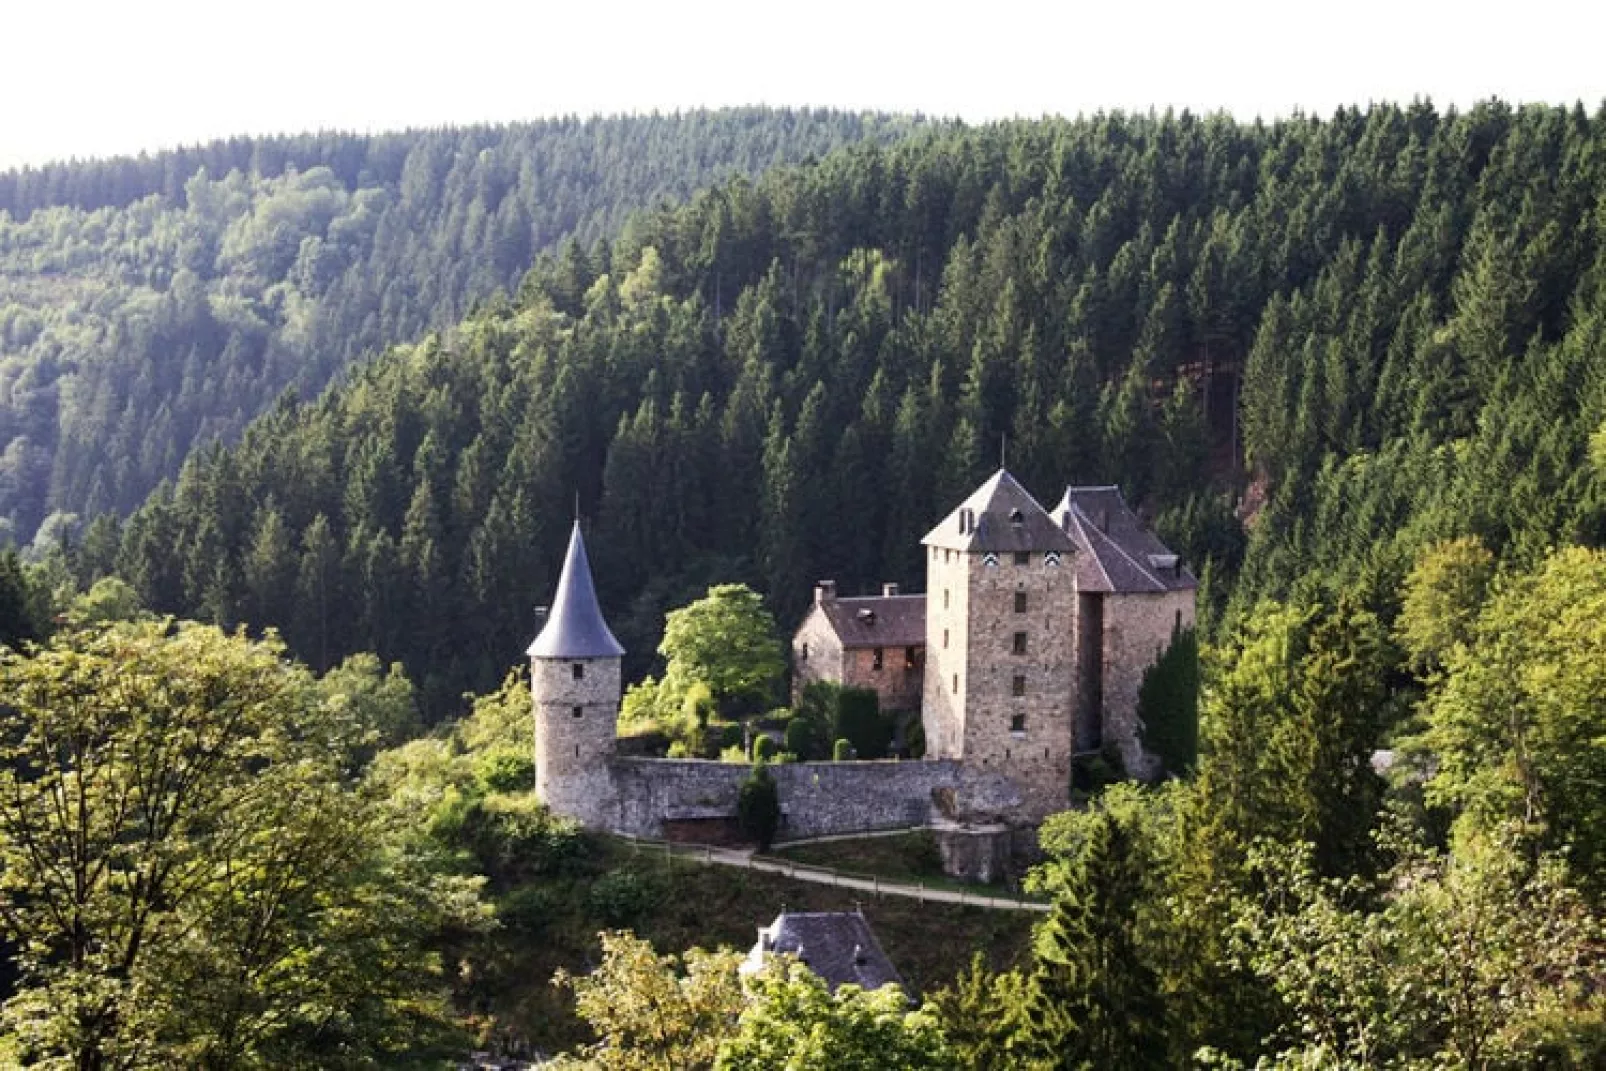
x=758, y=807
x=505, y=770
x=859, y=719
x=621, y=898
x=842, y=751
x=806, y=737
x=763, y=747
x=1168, y=705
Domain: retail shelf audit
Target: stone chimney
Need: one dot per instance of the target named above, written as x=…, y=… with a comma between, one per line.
x=889, y=590
x=825, y=591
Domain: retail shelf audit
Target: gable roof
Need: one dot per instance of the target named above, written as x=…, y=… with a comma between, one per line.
x=575, y=628
x=1118, y=554
x=836, y=945
x=1000, y=516
x=877, y=620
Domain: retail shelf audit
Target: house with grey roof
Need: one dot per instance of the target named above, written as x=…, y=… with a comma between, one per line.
x=836, y=945
x=870, y=641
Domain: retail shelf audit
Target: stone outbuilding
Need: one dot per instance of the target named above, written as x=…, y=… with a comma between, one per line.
x=836, y=945
x=875, y=641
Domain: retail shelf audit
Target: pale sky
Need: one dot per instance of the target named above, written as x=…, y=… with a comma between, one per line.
x=81, y=78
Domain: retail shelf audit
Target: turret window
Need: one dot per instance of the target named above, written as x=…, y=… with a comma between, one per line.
x=1019, y=646
x=579, y=671
x=1017, y=723
x=1020, y=602
x=1017, y=687
x=945, y=598
x=944, y=639
x=1023, y=557
x=577, y=711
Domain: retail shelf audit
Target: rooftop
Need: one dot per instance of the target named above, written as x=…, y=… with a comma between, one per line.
x=1000, y=516
x=574, y=628
x=836, y=945
x=1118, y=554
x=876, y=620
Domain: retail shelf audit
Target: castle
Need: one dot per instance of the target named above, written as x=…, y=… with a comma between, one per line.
x=1027, y=649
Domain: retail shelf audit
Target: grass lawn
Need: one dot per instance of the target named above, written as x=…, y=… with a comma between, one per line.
x=907, y=857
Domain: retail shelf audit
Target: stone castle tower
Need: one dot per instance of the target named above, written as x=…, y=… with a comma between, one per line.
x=575, y=684
x=1001, y=645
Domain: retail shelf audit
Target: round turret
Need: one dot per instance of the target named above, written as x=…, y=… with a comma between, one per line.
x=575, y=688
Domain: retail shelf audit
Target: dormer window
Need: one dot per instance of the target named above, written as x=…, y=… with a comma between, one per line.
x=1017, y=518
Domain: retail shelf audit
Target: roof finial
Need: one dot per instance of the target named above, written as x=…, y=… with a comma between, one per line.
x=576, y=505
x=1003, y=450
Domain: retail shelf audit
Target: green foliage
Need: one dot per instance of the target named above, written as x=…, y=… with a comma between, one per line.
x=763, y=748
x=1516, y=724
x=792, y=1020
x=622, y=898
x=23, y=602
x=1168, y=705
x=1443, y=594
x=860, y=722
x=1093, y=998
x=190, y=873
x=726, y=642
x=1475, y=959
x=650, y=1011
x=842, y=750
x=1289, y=726
x=758, y=807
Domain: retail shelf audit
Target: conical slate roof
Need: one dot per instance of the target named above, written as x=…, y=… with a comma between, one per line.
x=999, y=516
x=575, y=628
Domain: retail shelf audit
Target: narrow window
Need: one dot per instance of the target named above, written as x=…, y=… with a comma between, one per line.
x=1176, y=630
x=1018, y=685
x=1020, y=643
x=956, y=684
x=579, y=671
x=1020, y=602
x=945, y=601
x=1023, y=557
x=1017, y=723
x=577, y=711
x=805, y=654
x=877, y=658
x=944, y=639
x=911, y=658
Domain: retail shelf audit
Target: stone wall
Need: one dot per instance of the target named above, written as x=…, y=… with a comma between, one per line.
x=947, y=652
x=817, y=798
x=1137, y=631
x=816, y=653
x=576, y=705
x=1017, y=713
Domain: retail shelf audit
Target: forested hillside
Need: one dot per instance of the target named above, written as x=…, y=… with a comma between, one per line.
x=149, y=305
x=791, y=377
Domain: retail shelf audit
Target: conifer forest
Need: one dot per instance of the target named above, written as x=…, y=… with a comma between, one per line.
x=293, y=432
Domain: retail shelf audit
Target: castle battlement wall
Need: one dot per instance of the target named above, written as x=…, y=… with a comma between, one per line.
x=817, y=798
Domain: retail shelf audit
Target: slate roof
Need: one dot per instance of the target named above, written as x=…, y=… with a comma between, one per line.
x=1000, y=516
x=877, y=620
x=574, y=628
x=1117, y=553
x=836, y=945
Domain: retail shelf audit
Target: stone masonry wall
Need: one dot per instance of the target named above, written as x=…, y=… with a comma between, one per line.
x=947, y=652
x=1029, y=733
x=575, y=724
x=1137, y=631
x=816, y=653
x=817, y=798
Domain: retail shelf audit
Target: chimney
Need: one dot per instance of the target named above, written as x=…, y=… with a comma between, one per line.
x=889, y=590
x=825, y=591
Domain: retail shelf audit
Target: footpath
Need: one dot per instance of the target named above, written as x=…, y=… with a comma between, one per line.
x=841, y=879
